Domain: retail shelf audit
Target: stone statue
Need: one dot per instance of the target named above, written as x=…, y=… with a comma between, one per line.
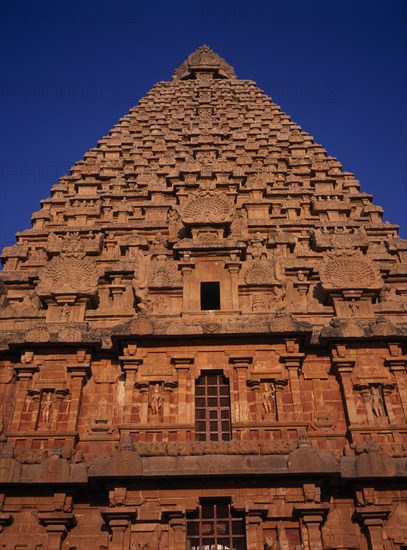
x=155, y=400
x=46, y=408
x=267, y=399
x=376, y=402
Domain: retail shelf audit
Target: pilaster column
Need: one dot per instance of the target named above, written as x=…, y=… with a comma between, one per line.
x=293, y=362
x=79, y=374
x=57, y=525
x=387, y=392
x=279, y=385
x=254, y=385
x=344, y=367
x=372, y=518
x=241, y=366
x=254, y=520
x=182, y=366
x=143, y=389
x=234, y=268
x=312, y=516
x=177, y=531
x=130, y=366
x=118, y=521
x=186, y=270
x=35, y=396
x=398, y=364
x=24, y=372
x=168, y=389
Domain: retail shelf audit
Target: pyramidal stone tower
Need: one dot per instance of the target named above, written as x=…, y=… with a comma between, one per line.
x=202, y=340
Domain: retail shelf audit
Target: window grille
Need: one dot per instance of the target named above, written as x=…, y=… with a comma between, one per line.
x=215, y=526
x=212, y=408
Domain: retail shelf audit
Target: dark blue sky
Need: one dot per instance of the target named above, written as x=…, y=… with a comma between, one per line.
x=71, y=69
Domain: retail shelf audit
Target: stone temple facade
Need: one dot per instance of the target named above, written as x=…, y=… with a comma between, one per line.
x=202, y=340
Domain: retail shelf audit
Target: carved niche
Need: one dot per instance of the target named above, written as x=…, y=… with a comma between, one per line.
x=373, y=383
x=339, y=531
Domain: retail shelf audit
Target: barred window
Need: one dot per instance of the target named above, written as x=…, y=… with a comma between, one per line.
x=215, y=526
x=212, y=408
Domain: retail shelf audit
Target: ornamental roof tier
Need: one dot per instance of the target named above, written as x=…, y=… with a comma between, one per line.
x=205, y=180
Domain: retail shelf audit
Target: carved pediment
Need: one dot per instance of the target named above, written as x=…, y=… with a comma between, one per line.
x=208, y=208
x=348, y=270
x=65, y=275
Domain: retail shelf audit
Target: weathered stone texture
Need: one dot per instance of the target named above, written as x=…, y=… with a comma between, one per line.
x=207, y=235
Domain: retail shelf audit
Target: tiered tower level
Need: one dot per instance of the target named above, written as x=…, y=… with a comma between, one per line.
x=202, y=340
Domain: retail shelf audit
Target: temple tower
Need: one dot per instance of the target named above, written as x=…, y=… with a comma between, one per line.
x=202, y=340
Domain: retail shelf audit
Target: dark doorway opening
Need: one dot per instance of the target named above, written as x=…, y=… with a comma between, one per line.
x=210, y=295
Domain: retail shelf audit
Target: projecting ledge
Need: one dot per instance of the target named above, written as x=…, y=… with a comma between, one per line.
x=215, y=465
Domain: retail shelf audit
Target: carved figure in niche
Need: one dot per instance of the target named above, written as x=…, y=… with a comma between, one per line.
x=65, y=313
x=140, y=271
x=277, y=298
x=239, y=225
x=301, y=247
x=257, y=247
x=155, y=400
x=386, y=294
x=161, y=304
x=376, y=402
x=174, y=224
x=267, y=399
x=46, y=408
x=159, y=244
x=144, y=302
x=353, y=307
x=279, y=270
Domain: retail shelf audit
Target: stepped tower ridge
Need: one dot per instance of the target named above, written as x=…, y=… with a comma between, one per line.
x=202, y=339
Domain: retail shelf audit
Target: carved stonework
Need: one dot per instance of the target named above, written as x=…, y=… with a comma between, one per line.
x=339, y=531
x=163, y=274
x=204, y=59
x=347, y=270
x=155, y=402
x=66, y=275
x=208, y=208
x=265, y=272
